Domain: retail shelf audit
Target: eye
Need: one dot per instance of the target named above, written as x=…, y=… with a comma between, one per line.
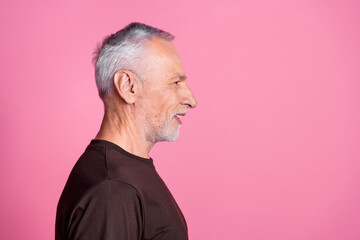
x=177, y=83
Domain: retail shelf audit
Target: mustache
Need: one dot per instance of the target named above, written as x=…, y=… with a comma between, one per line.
x=176, y=113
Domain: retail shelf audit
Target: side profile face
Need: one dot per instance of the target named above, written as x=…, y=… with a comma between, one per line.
x=166, y=96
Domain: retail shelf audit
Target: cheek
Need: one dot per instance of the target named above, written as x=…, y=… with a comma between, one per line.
x=165, y=106
x=160, y=104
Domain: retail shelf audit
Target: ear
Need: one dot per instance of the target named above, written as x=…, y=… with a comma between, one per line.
x=126, y=85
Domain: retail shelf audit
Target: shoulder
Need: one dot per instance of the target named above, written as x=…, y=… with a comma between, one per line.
x=107, y=200
x=115, y=203
x=110, y=189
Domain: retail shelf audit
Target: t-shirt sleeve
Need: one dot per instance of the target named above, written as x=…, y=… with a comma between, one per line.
x=111, y=210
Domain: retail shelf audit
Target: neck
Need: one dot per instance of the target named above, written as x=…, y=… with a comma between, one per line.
x=123, y=130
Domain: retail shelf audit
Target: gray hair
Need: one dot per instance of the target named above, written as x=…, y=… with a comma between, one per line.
x=122, y=50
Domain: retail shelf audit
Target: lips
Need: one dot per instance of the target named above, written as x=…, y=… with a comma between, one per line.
x=178, y=116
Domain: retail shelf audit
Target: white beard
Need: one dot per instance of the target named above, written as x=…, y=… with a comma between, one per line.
x=164, y=132
x=167, y=132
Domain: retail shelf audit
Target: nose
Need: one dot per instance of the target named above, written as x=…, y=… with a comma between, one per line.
x=188, y=98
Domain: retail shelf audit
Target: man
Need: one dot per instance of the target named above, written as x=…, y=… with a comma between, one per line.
x=114, y=191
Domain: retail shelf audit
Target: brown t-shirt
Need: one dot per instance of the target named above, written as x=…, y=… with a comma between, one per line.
x=113, y=194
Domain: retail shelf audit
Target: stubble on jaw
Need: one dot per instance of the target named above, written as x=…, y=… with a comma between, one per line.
x=159, y=133
x=166, y=131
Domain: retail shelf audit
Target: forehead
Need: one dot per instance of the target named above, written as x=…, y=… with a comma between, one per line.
x=164, y=56
x=161, y=46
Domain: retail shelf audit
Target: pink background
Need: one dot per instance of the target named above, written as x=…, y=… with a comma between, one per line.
x=272, y=150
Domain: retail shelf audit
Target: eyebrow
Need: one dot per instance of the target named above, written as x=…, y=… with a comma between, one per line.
x=177, y=75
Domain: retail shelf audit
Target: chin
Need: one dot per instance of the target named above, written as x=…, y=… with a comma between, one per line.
x=169, y=135
x=173, y=138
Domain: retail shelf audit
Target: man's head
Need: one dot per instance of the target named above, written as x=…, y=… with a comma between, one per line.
x=139, y=73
